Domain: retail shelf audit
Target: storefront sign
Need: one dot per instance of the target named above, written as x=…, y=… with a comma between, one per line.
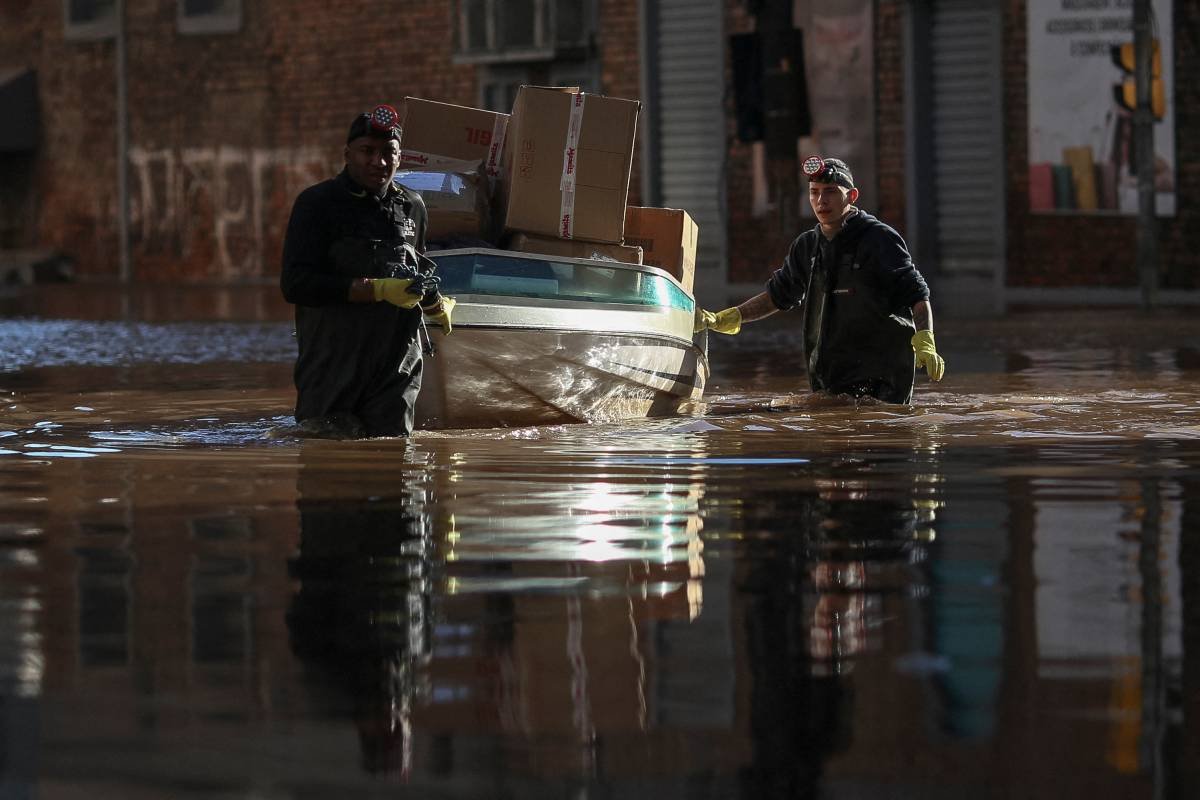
x=1081, y=153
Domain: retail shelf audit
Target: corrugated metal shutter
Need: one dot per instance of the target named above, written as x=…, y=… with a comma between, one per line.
x=691, y=122
x=967, y=130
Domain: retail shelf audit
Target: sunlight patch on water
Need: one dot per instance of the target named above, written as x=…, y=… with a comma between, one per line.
x=73, y=449
x=700, y=460
x=477, y=585
x=1183, y=432
x=1061, y=434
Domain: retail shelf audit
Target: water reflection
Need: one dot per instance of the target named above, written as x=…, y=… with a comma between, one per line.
x=361, y=614
x=994, y=588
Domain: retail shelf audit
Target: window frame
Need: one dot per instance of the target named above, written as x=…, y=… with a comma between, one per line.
x=546, y=45
x=228, y=20
x=104, y=27
x=506, y=78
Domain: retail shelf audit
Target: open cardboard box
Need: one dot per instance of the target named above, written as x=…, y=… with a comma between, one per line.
x=435, y=134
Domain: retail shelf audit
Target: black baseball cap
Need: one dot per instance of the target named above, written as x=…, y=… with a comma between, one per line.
x=382, y=121
x=828, y=170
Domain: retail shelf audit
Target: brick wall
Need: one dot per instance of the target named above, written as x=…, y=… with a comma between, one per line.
x=889, y=112
x=72, y=178
x=620, y=68
x=1057, y=250
x=224, y=129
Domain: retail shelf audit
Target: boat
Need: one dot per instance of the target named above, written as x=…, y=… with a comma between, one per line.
x=544, y=340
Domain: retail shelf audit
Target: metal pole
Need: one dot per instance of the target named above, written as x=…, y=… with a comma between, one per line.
x=1143, y=137
x=123, y=270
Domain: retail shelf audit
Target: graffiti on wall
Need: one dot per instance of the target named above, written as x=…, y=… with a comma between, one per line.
x=219, y=212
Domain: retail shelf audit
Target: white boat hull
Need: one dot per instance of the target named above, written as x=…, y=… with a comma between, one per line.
x=505, y=377
x=541, y=340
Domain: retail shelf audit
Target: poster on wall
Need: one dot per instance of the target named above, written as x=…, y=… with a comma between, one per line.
x=1081, y=153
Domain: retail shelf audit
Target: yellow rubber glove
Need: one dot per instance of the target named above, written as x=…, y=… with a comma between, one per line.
x=441, y=313
x=395, y=291
x=728, y=321
x=927, y=357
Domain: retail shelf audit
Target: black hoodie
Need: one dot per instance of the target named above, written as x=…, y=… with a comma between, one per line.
x=857, y=290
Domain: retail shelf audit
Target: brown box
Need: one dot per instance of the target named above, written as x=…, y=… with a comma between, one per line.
x=456, y=198
x=566, y=164
x=668, y=239
x=436, y=133
x=574, y=248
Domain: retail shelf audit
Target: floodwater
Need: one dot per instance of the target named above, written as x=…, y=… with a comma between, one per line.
x=994, y=593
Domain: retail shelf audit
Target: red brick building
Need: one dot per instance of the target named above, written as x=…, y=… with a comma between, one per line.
x=224, y=110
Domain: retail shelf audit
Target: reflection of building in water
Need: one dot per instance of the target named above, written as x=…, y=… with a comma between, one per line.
x=155, y=596
x=578, y=646
x=22, y=650
x=1103, y=576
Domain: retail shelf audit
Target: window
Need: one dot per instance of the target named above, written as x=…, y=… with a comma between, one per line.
x=209, y=16
x=497, y=93
x=548, y=279
x=498, y=83
x=105, y=606
x=524, y=30
x=221, y=609
x=90, y=19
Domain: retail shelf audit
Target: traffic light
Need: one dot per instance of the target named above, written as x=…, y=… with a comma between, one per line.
x=1125, y=92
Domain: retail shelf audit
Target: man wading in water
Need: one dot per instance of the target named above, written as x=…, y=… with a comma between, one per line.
x=353, y=267
x=867, y=319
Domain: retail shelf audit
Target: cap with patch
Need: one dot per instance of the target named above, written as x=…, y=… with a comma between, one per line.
x=828, y=170
x=383, y=121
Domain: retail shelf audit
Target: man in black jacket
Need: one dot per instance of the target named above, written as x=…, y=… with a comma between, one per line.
x=867, y=317
x=353, y=266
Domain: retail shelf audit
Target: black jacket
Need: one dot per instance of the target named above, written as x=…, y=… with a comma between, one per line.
x=359, y=359
x=857, y=291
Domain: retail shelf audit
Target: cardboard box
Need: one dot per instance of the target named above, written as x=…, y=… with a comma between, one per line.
x=436, y=133
x=668, y=238
x=455, y=197
x=575, y=248
x=566, y=164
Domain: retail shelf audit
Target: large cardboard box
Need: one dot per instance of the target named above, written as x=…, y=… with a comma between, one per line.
x=456, y=199
x=574, y=248
x=668, y=238
x=438, y=133
x=566, y=164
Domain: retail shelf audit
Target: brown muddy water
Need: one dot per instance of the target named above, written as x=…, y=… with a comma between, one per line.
x=994, y=593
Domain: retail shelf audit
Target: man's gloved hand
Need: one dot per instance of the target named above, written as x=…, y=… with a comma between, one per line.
x=440, y=312
x=395, y=291
x=926, y=353
x=728, y=321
